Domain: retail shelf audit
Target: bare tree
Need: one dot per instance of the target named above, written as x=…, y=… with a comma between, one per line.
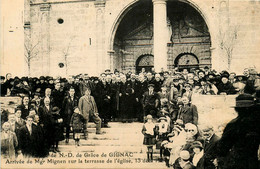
x=66, y=54
x=30, y=53
x=227, y=42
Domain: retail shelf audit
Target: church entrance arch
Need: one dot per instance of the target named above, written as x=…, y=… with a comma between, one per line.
x=186, y=61
x=132, y=34
x=146, y=62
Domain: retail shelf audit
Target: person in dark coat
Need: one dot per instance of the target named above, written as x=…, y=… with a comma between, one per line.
x=3, y=86
x=68, y=105
x=57, y=128
x=188, y=112
x=40, y=149
x=41, y=86
x=104, y=102
x=28, y=138
x=209, y=144
x=151, y=101
x=77, y=124
x=25, y=107
x=48, y=95
x=238, y=146
x=225, y=87
x=46, y=122
x=86, y=83
x=57, y=95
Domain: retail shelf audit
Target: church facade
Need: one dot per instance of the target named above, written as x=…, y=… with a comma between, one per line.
x=68, y=37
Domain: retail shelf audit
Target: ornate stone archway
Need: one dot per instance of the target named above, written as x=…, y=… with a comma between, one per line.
x=115, y=56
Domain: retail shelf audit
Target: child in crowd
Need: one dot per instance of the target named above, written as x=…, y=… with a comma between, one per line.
x=149, y=136
x=77, y=122
x=163, y=129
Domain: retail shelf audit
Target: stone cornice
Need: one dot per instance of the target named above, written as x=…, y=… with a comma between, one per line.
x=100, y=3
x=60, y=2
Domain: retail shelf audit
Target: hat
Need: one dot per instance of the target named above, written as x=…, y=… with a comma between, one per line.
x=185, y=155
x=151, y=85
x=203, y=79
x=149, y=116
x=2, y=77
x=206, y=67
x=242, y=76
x=224, y=76
x=42, y=78
x=245, y=100
x=164, y=88
x=177, y=128
x=179, y=122
x=196, y=144
x=162, y=118
x=171, y=135
x=187, y=85
x=55, y=110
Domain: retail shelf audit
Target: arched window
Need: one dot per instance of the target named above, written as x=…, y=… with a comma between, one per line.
x=145, y=61
x=186, y=61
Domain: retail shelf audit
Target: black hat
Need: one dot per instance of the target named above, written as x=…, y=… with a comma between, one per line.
x=42, y=78
x=196, y=144
x=245, y=100
x=55, y=110
x=225, y=75
x=206, y=67
x=203, y=79
x=243, y=77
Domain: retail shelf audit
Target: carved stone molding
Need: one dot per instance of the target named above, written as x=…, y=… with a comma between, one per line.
x=45, y=7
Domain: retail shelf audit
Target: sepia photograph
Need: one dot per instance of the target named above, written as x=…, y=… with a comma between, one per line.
x=153, y=84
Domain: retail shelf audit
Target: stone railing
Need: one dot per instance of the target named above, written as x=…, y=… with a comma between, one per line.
x=217, y=110
x=10, y=102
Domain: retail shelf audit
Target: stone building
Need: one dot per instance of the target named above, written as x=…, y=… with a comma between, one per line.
x=65, y=37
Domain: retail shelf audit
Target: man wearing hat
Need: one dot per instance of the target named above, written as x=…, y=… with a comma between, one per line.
x=239, y=144
x=150, y=101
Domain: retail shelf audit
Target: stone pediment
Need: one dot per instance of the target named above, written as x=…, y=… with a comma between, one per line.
x=142, y=32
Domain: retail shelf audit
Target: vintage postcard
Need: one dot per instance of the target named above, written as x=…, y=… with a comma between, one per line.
x=130, y=84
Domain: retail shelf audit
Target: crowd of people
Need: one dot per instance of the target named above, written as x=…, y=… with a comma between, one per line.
x=163, y=101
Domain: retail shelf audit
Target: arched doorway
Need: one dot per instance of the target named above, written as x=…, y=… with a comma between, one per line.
x=186, y=61
x=145, y=61
x=132, y=34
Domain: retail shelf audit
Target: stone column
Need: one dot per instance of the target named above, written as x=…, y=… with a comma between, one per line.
x=160, y=34
x=102, y=62
x=111, y=60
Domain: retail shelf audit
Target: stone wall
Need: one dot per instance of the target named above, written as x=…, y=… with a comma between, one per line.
x=86, y=36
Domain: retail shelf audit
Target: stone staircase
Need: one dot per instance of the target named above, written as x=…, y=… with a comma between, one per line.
x=120, y=138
